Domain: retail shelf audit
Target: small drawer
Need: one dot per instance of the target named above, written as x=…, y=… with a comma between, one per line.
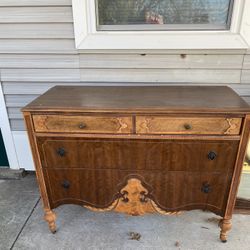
x=187, y=125
x=83, y=124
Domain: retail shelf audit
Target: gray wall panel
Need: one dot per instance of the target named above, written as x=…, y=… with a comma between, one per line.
x=37, y=51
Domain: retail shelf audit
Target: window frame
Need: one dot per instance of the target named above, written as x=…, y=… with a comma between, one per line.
x=87, y=37
x=165, y=27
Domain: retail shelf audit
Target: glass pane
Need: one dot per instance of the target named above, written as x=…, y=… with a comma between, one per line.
x=244, y=189
x=214, y=13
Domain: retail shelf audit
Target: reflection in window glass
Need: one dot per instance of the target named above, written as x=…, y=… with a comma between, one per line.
x=204, y=13
x=244, y=189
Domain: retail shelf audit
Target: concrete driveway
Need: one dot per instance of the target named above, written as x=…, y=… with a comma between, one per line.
x=22, y=226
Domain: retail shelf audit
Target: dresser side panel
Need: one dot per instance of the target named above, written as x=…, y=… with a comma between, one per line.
x=238, y=168
x=36, y=159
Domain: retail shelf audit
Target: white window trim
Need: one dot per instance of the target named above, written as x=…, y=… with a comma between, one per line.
x=7, y=134
x=88, y=38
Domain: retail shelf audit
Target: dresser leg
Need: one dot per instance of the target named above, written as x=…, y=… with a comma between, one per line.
x=225, y=225
x=50, y=217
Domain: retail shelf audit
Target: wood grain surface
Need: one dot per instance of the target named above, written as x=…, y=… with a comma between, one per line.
x=82, y=124
x=172, y=191
x=167, y=99
x=139, y=150
x=144, y=154
x=187, y=125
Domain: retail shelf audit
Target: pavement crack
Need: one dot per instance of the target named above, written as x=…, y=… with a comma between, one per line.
x=27, y=219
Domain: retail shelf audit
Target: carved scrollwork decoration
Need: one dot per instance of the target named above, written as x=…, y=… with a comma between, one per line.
x=124, y=196
x=143, y=196
x=134, y=199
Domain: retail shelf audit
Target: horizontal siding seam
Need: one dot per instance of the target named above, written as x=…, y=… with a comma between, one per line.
x=36, y=6
x=38, y=39
x=133, y=69
x=11, y=23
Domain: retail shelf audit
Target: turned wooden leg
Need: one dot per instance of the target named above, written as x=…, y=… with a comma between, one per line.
x=50, y=217
x=225, y=225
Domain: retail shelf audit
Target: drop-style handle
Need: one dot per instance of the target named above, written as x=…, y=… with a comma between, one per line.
x=66, y=184
x=187, y=126
x=211, y=155
x=82, y=125
x=206, y=188
x=61, y=151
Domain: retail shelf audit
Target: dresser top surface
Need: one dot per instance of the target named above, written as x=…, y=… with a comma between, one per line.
x=140, y=98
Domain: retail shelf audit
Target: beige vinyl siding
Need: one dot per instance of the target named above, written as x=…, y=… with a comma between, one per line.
x=15, y=3
x=37, y=46
x=246, y=64
x=37, y=51
x=158, y=61
x=245, y=79
x=36, y=30
x=41, y=75
x=245, y=76
x=41, y=61
x=162, y=75
x=41, y=14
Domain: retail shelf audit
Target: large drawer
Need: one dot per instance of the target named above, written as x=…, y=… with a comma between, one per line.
x=134, y=154
x=83, y=124
x=171, y=191
x=187, y=125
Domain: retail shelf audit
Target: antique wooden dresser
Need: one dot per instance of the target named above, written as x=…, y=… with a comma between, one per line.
x=139, y=149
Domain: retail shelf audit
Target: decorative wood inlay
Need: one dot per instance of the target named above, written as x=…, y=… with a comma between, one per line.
x=123, y=125
x=187, y=125
x=83, y=124
x=134, y=199
x=233, y=124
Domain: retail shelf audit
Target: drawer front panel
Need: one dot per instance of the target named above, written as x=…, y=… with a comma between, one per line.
x=187, y=125
x=164, y=155
x=83, y=124
x=170, y=191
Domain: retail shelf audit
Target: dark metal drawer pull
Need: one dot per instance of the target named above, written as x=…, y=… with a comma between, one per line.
x=211, y=155
x=188, y=126
x=206, y=188
x=61, y=152
x=82, y=125
x=66, y=184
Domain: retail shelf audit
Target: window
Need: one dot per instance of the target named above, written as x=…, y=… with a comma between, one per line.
x=145, y=25
x=163, y=14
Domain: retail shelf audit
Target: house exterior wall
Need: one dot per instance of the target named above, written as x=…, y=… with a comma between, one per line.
x=37, y=51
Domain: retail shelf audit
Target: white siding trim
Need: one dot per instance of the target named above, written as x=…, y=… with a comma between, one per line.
x=6, y=133
x=23, y=150
x=245, y=25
